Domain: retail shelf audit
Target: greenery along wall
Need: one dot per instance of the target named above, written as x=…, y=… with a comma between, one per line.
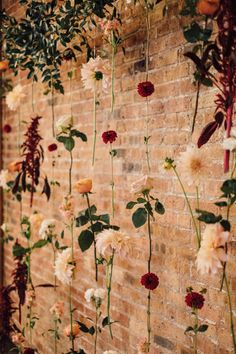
x=117, y=220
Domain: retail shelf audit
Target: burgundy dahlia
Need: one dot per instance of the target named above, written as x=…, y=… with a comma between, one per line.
x=109, y=136
x=194, y=300
x=7, y=128
x=52, y=147
x=68, y=54
x=29, y=351
x=150, y=281
x=145, y=88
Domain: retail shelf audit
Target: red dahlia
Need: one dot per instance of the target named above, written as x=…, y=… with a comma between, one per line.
x=29, y=351
x=52, y=147
x=194, y=300
x=7, y=128
x=109, y=136
x=145, y=88
x=150, y=281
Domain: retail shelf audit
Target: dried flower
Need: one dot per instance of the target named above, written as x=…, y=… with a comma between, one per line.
x=144, y=184
x=74, y=331
x=194, y=300
x=84, y=185
x=212, y=252
x=109, y=136
x=150, y=281
x=52, y=147
x=67, y=207
x=64, y=124
x=7, y=128
x=30, y=297
x=65, y=266
x=14, y=97
x=96, y=74
x=110, y=240
x=193, y=165
x=58, y=309
x=145, y=88
x=5, y=178
x=47, y=228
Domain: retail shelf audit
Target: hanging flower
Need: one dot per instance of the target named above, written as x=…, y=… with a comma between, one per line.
x=143, y=346
x=36, y=220
x=193, y=165
x=67, y=207
x=95, y=295
x=212, y=252
x=65, y=266
x=52, y=147
x=47, y=228
x=3, y=65
x=96, y=74
x=110, y=240
x=194, y=300
x=144, y=184
x=64, y=124
x=84, y=185
x=14, y=166
x=145, y=88
x=14, y=97
x=109, y=25
x=109, y=136
x=58, y=309
x=208, y=7
x=73, y=330
x=7, y=128
x=150, y=281
x=5, y=178
x=30, y=297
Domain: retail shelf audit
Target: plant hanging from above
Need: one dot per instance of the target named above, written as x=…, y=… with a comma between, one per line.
x=33, y=156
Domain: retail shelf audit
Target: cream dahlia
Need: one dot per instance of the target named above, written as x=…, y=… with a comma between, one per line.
x=47, y=228
x=143, y=184
x=95, y=74
x=65, y=266
x=109, y=241
x=14, y=97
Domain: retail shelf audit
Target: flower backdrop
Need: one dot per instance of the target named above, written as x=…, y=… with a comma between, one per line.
x=118, y=225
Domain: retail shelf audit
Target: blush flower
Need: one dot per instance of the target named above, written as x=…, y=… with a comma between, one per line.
x=52, y=147
x=67, y=208
x=150, y=281
x=73, y=330
x=65, y=266
x=194, y=300
x=144, y=184
x=7, y=128
x=95, y=74
x=30, y=297
x=145, y=88
x=110, y=240
x=109, y=136
x=58, y=309
x=109, y=25
x=36, y=220
x=64, y=124
x=212, y=252
x=14, y=97
x=193, y=165
x=47, y=228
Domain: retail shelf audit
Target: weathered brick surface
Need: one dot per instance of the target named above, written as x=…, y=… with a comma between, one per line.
x=170, y=110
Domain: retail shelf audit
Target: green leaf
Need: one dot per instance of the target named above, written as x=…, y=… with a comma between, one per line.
x=130, y=205
x=208, y=217
x=83, y=327
x=91, y=330
x=40, y=244
x=79, y=134
x=85, y=240
x=202, y=328
x=192, y=33
x=105, y=218
x=189, y=329
x=226, y=225
x=229, y=187
x=141, y=200
x=221, y=204
x=81, y=220
x=159, y=208
x=139, y=217
x=105, y=322
x=18, y=250
x=69, y=144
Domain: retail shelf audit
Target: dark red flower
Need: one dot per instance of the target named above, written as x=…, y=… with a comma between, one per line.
x=68, y=54
x=7, y=128
x=150, y=281
x=145, y=88
x=29, y=351
x=194, y=300
x=52, y=147
x=109, y=136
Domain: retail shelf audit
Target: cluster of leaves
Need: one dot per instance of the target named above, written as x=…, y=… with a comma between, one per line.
x=38, y=41
x=148, y=204
x=97, y=223
x=33, y=156
x=68, y=138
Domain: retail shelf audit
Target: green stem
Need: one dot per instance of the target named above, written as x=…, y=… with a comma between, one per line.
x=19, y=132
x=53, y=112
x=55, y=336
x=196, y=106
x=149, y=320
x=72, y=338
x=113, y=46
x=32, y=92
x=147, y=137
x=94, y=125
x=94, y=239
x=149, y=271
x=195, y=332
x=112, y=182
x=226, y=248
x=189, y=207
x=231, y=313
x=109, y=282
x=198, y=206
x=70, y=173
x=96, y=331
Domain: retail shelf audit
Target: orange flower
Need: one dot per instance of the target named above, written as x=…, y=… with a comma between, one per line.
x=84, y=185
x=74, y=331
x=3, y=65
x=208, y=7
x=14, y=166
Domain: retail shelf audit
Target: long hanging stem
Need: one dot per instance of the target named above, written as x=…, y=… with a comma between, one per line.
x=109, y=282
x=72, y=338
x=19, y=132
x=112, y=182
x=231, y=314
x=70, y=173
x=96, y=330
x=94, y=239
x=113, y=52
x=149, y=271
x=198, y=206
x=94, y=124
x=189, y=207
x=32, y=95
x=147, y=137
x=52, y=108
x=55, y=336
x=195, y=332
x=196, y=106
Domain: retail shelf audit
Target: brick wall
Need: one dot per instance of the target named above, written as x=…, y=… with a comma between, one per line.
x=171, y=111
